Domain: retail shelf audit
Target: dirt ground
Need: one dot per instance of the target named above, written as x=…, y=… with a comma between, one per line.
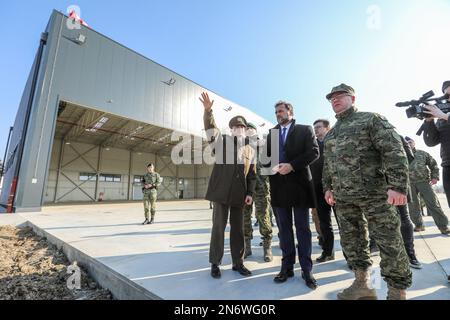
x=33, y=269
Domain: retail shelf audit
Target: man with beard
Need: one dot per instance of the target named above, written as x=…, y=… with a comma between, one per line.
x=291, y=190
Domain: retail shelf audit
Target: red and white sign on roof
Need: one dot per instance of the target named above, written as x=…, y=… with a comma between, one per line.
x=74, y=15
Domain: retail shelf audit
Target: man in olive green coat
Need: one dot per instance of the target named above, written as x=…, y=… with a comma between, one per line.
x=231, y=186
x=150, y=183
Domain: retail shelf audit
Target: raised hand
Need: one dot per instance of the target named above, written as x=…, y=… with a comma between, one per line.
x=207, y=103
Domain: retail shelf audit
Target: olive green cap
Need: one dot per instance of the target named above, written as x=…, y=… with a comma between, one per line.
x=237, y=121
x=341, y=88
x=251, y=125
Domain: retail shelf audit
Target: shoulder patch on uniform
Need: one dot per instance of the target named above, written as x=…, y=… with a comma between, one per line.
x=384, y=121
x=380, y=116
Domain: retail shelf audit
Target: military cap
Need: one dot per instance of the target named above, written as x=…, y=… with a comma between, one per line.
x=251, y=126
x=341, y=88
x=237, y=121
x=445, y=85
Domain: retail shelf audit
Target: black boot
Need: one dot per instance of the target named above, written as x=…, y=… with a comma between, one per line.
x=283, y=276
x=413, y=262
x=215, y=271
x=324, y=257
x=310, y=281
x=152, y=220
x=242, y=270
x=145, y=222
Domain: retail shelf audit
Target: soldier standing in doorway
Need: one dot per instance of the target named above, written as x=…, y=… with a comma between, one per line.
x=150, y=183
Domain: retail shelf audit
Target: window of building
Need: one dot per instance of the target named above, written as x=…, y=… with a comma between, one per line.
x=138, y=179
x=105, y=177
x=85, y=176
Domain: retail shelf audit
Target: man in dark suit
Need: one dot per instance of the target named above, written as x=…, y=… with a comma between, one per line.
x=291, y=189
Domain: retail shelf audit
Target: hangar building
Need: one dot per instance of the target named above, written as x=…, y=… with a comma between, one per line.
x=93, y=114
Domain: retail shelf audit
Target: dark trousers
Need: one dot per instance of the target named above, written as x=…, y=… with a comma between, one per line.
x=220, y=219
x=446, y=182
x=285, y=218
x=326, y=227
x=407, y=230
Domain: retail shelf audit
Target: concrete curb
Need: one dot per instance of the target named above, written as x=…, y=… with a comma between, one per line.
x=121, y=287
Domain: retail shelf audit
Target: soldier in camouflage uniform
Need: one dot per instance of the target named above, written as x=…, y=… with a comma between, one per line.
x=356, y=181
x=262, y=208
x=424, y=172
x=150, y=183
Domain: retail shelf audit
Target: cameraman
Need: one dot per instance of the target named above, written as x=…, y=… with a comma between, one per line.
x=439, y=132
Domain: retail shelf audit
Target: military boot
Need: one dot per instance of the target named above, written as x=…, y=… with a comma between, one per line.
x=268, y=257
x=359, y=290
x=248, y=248
x=396, y=294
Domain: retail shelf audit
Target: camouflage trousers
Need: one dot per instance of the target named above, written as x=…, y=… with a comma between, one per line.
x=263, y=214
x=150, y=203
x=358, y=218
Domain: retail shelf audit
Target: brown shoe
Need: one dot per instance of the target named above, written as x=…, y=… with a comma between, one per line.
x=396, y=294
x=359, y=290
x=419, y=229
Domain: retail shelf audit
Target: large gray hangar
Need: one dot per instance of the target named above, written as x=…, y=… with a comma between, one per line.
x=93, y=114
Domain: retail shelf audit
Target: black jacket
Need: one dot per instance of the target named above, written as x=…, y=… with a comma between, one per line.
x=296, y=188
x=439, y=132
x=317, y=169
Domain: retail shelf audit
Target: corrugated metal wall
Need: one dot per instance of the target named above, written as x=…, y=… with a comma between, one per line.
x=104, y=75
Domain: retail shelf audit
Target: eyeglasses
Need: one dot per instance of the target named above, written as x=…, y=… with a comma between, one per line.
x=339, y=96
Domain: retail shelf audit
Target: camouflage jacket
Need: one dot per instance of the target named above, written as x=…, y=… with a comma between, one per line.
x=152, y=179
x=262, y=181
x=423, y=167
x=363, y=156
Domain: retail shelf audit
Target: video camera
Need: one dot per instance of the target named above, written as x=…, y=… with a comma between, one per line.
x=416, y=107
